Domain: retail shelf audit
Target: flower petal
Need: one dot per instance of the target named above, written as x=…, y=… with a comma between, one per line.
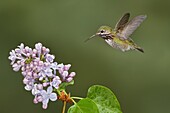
x=53, y=97
x=72, y=74
x=45, y=103
x=49, y=89
x=67, y=67
x=28, y=87
x=43, y=93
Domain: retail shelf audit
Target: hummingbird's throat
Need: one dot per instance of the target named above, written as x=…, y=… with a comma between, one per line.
x=106, y=36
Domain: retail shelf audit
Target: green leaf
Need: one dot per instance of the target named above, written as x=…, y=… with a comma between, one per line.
x=104, y=98
x=85, y=105
x=65, y=84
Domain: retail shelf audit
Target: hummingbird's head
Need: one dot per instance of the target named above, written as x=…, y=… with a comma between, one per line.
x=104, y=31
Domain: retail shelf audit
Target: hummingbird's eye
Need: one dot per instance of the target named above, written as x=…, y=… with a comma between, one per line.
x=102, y=31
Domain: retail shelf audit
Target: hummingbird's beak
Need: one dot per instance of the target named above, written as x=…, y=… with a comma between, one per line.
x=91, y=37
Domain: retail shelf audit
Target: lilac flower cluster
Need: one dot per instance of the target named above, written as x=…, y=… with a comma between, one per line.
x=42, y=76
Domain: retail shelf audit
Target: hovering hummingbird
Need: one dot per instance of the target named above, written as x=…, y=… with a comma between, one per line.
x=119, y=36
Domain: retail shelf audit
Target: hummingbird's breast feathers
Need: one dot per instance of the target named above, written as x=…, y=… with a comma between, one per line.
x=118, y=44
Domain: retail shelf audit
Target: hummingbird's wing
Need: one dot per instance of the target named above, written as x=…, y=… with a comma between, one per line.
x=131, y=26
x=122, y=22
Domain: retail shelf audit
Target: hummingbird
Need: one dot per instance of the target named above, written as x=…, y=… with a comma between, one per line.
x=119, y=36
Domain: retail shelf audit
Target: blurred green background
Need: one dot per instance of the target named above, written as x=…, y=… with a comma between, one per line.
x=141, y=82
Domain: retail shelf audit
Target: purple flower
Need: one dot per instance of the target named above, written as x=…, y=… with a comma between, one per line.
x=37, y=89
x=29, y=82
x=49, y=58
x=40, y=71
x=54, y=66
x=63, y=70
x=12, y=57
x=55, y=82
x=38, y=98
x=70, y=76
x=48, y=95
x=21, y=46
x=38, y=47
x=67, y=67
x=16, y=66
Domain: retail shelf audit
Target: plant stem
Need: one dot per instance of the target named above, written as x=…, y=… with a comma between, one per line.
x=64, y=107
x=73, y=101
x=58, y=92
x=77, y=98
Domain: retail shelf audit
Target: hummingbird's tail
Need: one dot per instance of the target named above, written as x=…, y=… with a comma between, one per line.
x=136, y=47
x=139, y=49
